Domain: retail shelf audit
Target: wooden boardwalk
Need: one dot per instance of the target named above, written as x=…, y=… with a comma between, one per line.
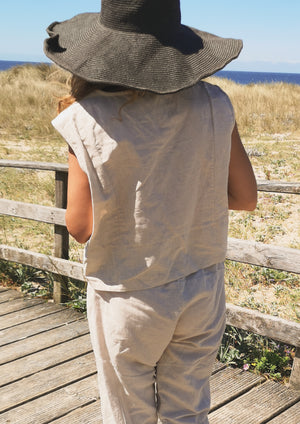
x=48, y=373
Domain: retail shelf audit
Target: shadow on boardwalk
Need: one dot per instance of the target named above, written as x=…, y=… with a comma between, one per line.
x=48, y=373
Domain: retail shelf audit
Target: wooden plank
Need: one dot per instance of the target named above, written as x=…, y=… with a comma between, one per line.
x=90, y=414
x=257, y=406
x=262, y=185
x=40, y=261
x=61, y=333
x=46, y=358
x=238, y=250
x=218, y=366
x=26, y=315
x=46, y=381
x=9, y=295
x=42, y=166
x=278, y=186
x=277, y=257
x=29, y=329
x=18, y=304
x=266, y=325
x=290, y=416
x=61, y=235
x=47, y=214
x=54, y=405
x=294, y=382
x=3, y=289
x=230, y=383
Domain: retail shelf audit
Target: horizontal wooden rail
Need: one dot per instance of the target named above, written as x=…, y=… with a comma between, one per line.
x=266, y=325
x=278, y=187
x=44, y=262
x=47, y=214
x=50, y=215
x=266, y=255
x=263, y=185
x=39, y=166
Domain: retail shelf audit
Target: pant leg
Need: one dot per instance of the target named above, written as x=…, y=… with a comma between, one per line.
x=185, y=367
x=129, y=332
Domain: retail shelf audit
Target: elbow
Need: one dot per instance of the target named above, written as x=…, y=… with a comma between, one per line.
x=250, y=206
x=248, y=203
x=79, y=230
x=80, y=237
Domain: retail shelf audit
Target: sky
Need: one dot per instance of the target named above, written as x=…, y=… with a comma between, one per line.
x=269, y=29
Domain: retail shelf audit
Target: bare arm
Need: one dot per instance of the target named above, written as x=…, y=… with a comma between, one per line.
x=79, y=214
x=242, y=188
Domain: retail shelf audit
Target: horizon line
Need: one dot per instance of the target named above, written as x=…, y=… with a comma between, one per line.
x=236, y=65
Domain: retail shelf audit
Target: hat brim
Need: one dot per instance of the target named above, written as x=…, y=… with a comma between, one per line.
x=83, y=46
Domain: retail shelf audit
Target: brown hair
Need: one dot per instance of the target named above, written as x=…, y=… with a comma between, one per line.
x=80, y=88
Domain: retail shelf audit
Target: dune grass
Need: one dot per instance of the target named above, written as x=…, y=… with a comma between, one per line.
x=28, y=104
x=264, y=110
x=29, y=94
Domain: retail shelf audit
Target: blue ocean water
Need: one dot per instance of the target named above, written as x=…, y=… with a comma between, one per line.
x=241, y=77
x=7, y=64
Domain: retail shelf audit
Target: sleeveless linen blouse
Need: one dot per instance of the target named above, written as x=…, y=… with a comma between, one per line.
x=158, y=172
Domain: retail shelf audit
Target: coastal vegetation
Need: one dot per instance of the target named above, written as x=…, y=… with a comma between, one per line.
x=268, y=117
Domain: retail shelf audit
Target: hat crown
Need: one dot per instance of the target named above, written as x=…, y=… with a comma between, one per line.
x=141, y=16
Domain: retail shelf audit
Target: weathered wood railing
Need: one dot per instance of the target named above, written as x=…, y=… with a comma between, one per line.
x=238, y=250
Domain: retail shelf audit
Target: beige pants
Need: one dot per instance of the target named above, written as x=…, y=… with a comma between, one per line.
x=155, y=349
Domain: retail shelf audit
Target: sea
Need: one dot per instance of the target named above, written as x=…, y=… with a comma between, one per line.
x=240, y=77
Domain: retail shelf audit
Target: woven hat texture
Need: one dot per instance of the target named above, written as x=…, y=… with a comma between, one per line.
x=139, y=44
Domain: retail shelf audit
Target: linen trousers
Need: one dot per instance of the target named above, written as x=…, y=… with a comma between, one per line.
x=155, y=348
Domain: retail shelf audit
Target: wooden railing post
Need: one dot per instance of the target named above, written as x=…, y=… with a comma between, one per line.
x=61, y=236
x=294, y=382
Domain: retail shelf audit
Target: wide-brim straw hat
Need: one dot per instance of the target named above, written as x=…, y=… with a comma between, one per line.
x=139, y=44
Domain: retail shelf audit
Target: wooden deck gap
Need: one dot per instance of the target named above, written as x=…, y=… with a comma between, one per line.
x=237, y=395
x=221, y=367
x=30, y=320
x=46, y=348
x=6, y=300
x=71, y=410
x=44, y=369
x=41, y=332
x=39, y=396
x=283, y=409
x=22, y=308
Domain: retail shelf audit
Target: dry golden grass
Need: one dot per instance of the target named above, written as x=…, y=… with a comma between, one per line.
x=27, y=100
x=264, y=109
x=29, y=93
x=269, y=123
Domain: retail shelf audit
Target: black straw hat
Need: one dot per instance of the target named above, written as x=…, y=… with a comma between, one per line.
x=140, y=44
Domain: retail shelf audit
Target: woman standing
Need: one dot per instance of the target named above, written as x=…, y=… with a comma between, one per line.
x=155, y=161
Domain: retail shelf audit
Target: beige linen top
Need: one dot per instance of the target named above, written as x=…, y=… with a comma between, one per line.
x=158, y=172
